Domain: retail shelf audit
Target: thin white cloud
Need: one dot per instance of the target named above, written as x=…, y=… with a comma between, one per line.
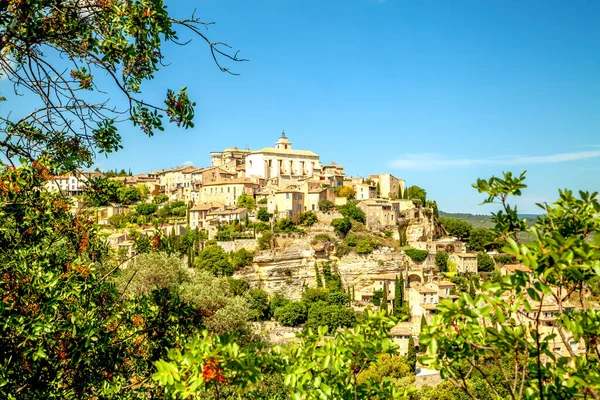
x=435, y=161
x=186, y=163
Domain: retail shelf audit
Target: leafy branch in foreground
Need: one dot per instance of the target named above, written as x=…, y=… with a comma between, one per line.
x=75, y=58
x=317, y=367
x=537, y=327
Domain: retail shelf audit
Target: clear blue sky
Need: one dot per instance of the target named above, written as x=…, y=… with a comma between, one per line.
x=435, y=92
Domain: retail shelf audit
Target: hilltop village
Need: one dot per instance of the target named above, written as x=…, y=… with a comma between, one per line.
x=299, y=225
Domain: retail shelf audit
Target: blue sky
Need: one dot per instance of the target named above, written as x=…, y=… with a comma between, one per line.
x=436, y=92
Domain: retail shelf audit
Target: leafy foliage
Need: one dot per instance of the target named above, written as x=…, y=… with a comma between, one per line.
x=505, y=323
x=416, y=255
x=263, y=215
x=441, y=260
x=326, y=205
x=351, y=210
x=417, y=195
x=146, y=208
x=341, y=226
x=215, y=260
x=285, y=225
x=246, y=202
x=485, y=263
x=308, y=218
x=456, y=227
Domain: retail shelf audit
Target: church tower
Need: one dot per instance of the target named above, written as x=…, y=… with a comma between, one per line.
x=283, y=143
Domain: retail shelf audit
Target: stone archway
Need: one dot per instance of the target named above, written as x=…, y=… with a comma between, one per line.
x=414, y=278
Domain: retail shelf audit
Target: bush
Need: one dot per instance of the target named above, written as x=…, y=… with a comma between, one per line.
x=313, y=295
x=364, y=247
x=263, y=215
x=505, y=259
x=179, y=211
x=214, y=259
x=238, y=286
x=265, y=240
x=351, y=240
x=341, y=226
x=261, y=226
x=352, y=211
x=129, y=195
x=277, y=301
x=285, y=225
x=160, y=198
x=308, y=218
x=332, y=316
x=441, y=260
x=326, y=205
x=246, y=202
x=339, y=298
x=485, y=263
x=178, y=203
x=262, y=201
x=345, y=191
x=377, y=295
x=260, y=304
x=292, y=314
x=323, y=237
x=119, y=220
x=146, y=208
x=416, y=255
x=241, y=258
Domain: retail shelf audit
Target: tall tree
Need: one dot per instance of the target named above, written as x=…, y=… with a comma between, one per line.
x=411, y=354
x=384, y=298
x=417, y=195
x=318, y=276
x=397, y=297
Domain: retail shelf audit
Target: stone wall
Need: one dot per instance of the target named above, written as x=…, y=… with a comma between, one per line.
x=235, y=245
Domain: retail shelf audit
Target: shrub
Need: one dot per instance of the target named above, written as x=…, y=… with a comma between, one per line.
x=246, y=202
x=332, y=316
x=352, y=211
x=276, y=302
x=292, y=314
x=129, y=195
x=179, y=211
x=241, y=258
x=178, y=203
x=377, y=296
x=505, y=259
x=326, y=205
x=313, y=295
x=118, y=220
x=323, y=237
x=238, y=286
x=342, y=249
x=146, y=208
x=364, y=247
x=263, y=215
x=265, y=240
x=416, y=255
x=214, y=259
x=345, y=191
x=351, y=240
x=308, y=218
x=260, y=304
x=485, y=263
x=160, y=198
x=285, y=225
x=261, y=226
x=339, y=298
x=262, y=201
x=342, y=225
x=441, y=260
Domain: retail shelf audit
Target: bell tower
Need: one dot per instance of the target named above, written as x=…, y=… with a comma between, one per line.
x=283, y=143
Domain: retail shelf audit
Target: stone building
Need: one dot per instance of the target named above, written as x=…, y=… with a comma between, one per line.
x=282, y=163
x=389, y=185
x=228, y=191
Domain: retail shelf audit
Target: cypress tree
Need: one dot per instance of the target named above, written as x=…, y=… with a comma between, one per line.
x=318, y=276
x=397, y=297
x=423, y=322
x=378, y=189
x=353, y=298
x=401, y=286
x=383, y=305
x=411, y=355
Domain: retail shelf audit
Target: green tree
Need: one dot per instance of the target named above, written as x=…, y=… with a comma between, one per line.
x=318, y=276
x=326, y=205
x=146, y=208
x=486, y=327
x=129, y=195
x=364, y=247
x=485, y=263
x=215, y=260
x=341, y=226
x=246, y=202
x=160, y=198
x=441, y=260
x=285, y=225
x=377, y=295
x=308, y=218
x=384, y=299
x=417, y=195
x=260, y=304
x=292, y=314
x=265, y=241
x=378, y=189
x=102, y=191
x=351, y=210
x=241, y=258
x=456, y=227
x=411, y=355
x=330, y=315
x=398, y=295
x=423, y=322
x=416, y=255
x=263, y=215
x=144, y=191
x=482, y=239
x=433, y=205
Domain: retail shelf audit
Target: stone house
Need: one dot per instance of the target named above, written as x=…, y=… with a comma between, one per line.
x=465, y=262
x=72, y=184
x=365, y=191
x=286, y=203
x=510, y=269
x=389, y=185
x=423, y=300
x=199, y=214
x=379, y=213
x=229, y=159
x=227, y=192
